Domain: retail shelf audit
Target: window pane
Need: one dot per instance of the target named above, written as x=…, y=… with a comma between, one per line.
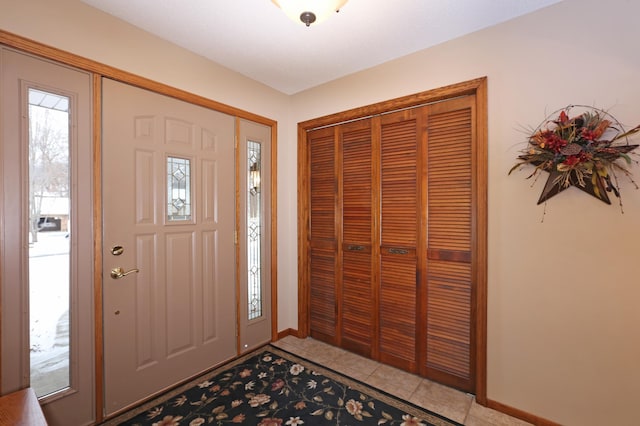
x=254, y=230
x=49, y=235
x=178, y=189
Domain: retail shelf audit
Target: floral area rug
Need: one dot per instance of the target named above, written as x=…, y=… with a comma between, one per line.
x=271, y=387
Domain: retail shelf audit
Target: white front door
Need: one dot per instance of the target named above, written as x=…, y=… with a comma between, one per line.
x=168, y=242
x=46, y=235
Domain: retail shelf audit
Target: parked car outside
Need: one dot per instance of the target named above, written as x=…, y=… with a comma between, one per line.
x=48, y=223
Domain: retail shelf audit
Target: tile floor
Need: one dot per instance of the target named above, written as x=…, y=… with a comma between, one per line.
x=443, y=400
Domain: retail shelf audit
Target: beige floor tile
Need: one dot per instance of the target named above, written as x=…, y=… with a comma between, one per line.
x=394, y=381
x=299, y=344
x=310, y=344
x=354, y=366
x=355, y=362
x=288, y=346
x=321, y=353
x=443, y=400
x=483, y=416
x=291, y=340
x=354, y=374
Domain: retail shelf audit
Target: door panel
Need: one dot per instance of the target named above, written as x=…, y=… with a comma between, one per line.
x=20, y=73
x=400, y=229
x=169, y=204
x=357, y=318
x=449, y=331
x=323, y=278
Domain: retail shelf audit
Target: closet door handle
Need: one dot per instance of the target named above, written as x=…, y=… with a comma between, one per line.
x=355, y=248
x=398, y=251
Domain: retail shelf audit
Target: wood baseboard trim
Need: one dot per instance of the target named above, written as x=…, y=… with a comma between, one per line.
x=289, y=332
x=522, y=415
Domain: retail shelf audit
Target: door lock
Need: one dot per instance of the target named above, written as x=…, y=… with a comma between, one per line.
x=117, y=250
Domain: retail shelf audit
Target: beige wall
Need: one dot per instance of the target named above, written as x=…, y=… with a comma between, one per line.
x=563, y=325
x=563, y=295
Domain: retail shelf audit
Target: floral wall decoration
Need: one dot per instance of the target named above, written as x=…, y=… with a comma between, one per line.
x=584, y=149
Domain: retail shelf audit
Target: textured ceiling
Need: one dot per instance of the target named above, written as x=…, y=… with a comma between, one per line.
x=256, y=39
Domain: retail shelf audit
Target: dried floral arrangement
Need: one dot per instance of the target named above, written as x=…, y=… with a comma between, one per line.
x=584, y=150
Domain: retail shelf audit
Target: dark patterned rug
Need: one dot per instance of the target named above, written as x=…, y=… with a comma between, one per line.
x=272, y=387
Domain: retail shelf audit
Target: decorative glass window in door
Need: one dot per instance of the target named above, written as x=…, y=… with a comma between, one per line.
x=254, y=233
x=178, y=189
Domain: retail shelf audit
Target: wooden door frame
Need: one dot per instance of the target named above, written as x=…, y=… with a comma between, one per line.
x=477, y=87
x=99, y=71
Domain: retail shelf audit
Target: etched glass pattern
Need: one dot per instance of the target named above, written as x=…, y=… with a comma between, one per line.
x=178, y=189
x=254, y=234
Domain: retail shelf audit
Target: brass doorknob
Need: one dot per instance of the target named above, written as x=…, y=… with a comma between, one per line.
x=118, y=272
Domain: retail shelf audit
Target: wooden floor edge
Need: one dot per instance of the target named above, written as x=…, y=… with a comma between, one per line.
x=520, y=414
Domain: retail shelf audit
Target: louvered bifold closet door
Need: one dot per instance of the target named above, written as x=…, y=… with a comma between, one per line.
x=449, y=334
x=323, y=234
x=356, y=303
x=399, y=236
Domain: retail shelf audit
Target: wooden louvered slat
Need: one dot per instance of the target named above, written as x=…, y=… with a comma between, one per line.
x=356, y=317
x=399, y=140
x=322, y=271
x=449, y=244
x=448, y=327
x=323, y=187
x=356, y=183
x=449, y=178
x=397, y=314
x=322, y=234
x=399, y=182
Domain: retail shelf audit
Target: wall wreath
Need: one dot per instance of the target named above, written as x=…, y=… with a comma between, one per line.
x=584, y=149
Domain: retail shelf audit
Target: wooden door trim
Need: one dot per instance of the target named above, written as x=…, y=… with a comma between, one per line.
x=79, y=62
x=404, y=102
x=97, y=246
x=99, y=71
x=481, y=257
x=477, y=87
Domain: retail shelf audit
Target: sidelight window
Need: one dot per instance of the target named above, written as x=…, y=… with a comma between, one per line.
x=49, y=236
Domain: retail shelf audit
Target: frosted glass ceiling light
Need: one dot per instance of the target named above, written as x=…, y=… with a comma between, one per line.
x=309, y=11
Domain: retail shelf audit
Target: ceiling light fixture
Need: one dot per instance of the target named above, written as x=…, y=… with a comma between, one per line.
x=309, y=11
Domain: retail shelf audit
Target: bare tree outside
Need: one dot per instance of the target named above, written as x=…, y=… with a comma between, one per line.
x=48, y=160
